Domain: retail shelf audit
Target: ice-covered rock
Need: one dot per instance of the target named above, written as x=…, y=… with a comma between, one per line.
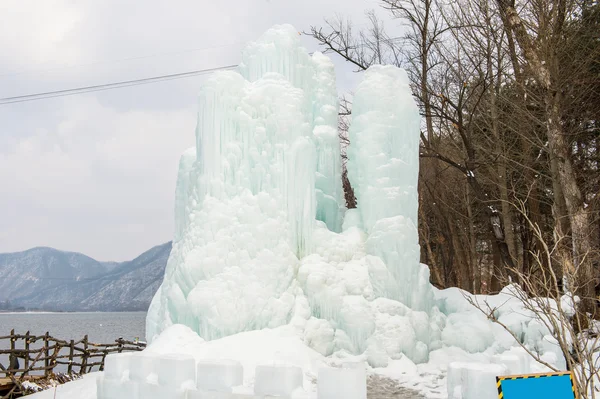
x=117, y=365
x=516, y=360
x=176, y=369
x=469, y=331
x=278, y=380
x=342, y=383
x=152, y=391
x=220, y=395
x=100, y=387
x=553, y=352
x=111, y=388
x=473, y=380
x=142, y=365
x=220, y=375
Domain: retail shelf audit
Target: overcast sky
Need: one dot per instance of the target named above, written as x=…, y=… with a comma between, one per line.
x=95, y=173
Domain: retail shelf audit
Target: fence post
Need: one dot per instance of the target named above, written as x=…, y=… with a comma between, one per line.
x=71, y=352
x=46, y=355
x=103, y=359
x=85, y=356
x=26, y=357
x=12, y=350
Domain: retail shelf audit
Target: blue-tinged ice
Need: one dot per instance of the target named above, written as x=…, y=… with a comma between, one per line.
x=262, y=237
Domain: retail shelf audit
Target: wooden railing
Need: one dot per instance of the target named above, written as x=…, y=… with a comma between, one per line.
x=33, y=357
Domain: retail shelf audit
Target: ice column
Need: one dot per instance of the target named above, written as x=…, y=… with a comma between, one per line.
x=330, y=195
x=182, y=191
x=383, y=167
x=246, y=203
x=279, y=51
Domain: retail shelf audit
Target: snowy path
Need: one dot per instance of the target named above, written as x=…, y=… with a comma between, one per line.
x=379, y=387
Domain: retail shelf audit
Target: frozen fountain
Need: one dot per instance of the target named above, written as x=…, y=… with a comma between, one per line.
x=262, y=235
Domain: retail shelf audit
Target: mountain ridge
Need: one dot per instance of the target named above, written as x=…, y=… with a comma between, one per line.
x=45, y=278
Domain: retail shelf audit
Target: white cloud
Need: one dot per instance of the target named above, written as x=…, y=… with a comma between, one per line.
x=40, y=32
x=109, y=166
x=95, y=173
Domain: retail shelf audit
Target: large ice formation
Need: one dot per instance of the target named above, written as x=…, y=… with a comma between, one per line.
x=262, y=236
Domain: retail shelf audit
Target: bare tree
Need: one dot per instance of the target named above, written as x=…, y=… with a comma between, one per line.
x=539, y=38
x=345, y=114
x=563, y=317
x=489, y=137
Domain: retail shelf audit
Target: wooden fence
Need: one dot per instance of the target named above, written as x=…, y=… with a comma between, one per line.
x=33, y=357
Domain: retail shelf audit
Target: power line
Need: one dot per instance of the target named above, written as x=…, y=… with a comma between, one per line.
x=108, y=86
x=121, y=59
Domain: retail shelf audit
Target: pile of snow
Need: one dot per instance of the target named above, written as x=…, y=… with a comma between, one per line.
x=283, y=348
x=468, y=328
x=488, y=349
x=158, y=372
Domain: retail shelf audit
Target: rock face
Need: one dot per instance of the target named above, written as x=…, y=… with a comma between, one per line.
x=262, y=237
x=49, y=279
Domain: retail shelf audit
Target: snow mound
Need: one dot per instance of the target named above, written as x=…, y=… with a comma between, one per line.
x=277, y=346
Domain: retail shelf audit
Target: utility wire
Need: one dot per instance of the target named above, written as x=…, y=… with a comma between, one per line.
x=108, y=86
x=121, y=59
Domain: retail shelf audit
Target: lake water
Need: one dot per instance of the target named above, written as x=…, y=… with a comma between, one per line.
x=101, y=328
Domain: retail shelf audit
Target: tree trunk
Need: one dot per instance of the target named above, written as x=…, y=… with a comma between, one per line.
x=473, y=245
x=495, y=284
x=562, y=229
x=545, y=71
x=582, y=269
x=424, y=232
x=501, y=181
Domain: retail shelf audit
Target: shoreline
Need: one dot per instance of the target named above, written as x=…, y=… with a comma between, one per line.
x=13, y=312
x=30, y=312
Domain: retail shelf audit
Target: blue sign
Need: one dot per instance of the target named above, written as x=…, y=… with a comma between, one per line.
x=537, y=386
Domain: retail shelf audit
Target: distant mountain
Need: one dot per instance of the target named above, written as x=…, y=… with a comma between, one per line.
x=49, y=279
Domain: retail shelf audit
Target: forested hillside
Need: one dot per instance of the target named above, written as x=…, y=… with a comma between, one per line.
x=510, y=94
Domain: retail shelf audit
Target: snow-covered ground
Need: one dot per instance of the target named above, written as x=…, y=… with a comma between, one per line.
x=378, y=388
x=402, y=378
x=84, y=388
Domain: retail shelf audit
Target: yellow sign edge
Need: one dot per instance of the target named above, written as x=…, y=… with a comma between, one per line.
x=499, y=380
